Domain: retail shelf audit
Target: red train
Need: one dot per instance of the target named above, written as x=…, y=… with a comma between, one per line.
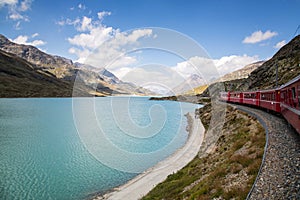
x=284, y=100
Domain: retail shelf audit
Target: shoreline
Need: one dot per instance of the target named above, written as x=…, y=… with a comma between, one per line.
x=143, y=183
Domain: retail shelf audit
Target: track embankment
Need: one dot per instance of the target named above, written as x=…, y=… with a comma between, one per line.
x=280, y=173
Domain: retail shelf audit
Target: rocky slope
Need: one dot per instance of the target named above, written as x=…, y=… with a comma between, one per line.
x=99, y=81
x=287, y=59
x=241, y=73
x=19, y=78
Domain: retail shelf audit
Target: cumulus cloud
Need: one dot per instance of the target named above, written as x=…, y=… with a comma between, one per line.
x=232, y=63
x=208, y=68
x=86, y=24
x=259, y=36
x=280, y=44
x=196, y=65
x=24, y=39
x=92, y=33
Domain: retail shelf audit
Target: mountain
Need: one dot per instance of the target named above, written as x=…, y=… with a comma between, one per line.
x=19, y=78
x=191, y=82
x=241, y=73
x=287, y=60
x=96, y=81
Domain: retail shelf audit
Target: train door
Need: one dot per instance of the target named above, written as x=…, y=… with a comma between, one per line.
x=277, y=100
x=257, y=98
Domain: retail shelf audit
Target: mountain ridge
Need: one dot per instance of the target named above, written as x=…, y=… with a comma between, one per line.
x=19, y=78
x=95, y=80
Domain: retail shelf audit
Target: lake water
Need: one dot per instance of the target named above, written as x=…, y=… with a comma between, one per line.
x=51, y=148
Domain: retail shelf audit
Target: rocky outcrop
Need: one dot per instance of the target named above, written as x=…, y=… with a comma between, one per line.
x=287, y=60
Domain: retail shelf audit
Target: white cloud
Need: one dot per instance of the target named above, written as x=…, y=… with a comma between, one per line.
x=103, y=14
x=86, y=24
x=209, y=68
x=8, y=2
x=155, y=77
x=196, y=65
x=18, y=25
x=68, y=21
x=95, y=37
x=280, y=44
x=23, y=39
x=81, y=6
x=16, y=16
x=259, y=36
x=16, y=10
x=34, y=35
x=25, y=5
x=232, y=63
x=94, y=33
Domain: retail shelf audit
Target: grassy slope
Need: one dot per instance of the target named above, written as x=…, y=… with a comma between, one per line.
x=227, y=172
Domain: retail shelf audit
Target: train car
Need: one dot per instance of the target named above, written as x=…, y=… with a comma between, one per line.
x=270, y=100
x=235, y=97
x=285, y=100
x=224, y=96
x=290, y=102
x=251, y=98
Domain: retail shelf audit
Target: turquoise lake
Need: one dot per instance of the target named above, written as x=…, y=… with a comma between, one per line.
x=51, y=148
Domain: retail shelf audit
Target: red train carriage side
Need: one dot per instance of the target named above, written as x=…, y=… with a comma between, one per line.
x=270, y=99
x=290, y=102
x=285, y=100
x=251, y=98
x=236, y=97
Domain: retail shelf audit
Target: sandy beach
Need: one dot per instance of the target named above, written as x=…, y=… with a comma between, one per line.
x=145, y=182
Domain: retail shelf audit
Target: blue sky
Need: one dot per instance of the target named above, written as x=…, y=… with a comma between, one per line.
x=233, y=32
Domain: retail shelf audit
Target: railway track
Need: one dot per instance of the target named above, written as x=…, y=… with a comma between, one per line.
x=279, y=177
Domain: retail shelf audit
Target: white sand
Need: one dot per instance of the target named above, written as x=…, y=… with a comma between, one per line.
x=143, y=183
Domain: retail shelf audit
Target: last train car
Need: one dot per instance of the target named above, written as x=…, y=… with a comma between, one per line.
x=290, y=102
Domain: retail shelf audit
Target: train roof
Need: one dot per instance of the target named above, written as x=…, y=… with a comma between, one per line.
x=297, y=78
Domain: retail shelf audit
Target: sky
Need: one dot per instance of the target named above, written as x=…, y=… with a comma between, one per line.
x=231, y=33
